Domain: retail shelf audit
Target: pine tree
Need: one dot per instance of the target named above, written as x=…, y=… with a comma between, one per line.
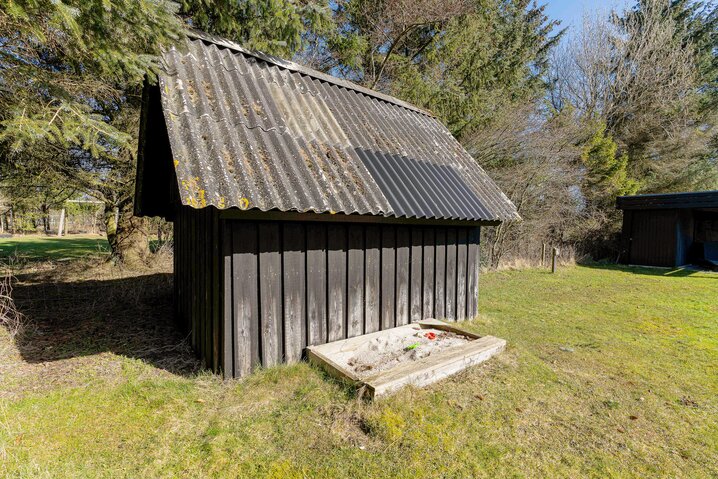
x=71, y=73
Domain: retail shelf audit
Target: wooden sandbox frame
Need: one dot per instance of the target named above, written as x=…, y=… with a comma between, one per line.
x=420, y=372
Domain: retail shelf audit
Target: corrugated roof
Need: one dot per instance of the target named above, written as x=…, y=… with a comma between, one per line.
x=697, y=199
x=252, y=131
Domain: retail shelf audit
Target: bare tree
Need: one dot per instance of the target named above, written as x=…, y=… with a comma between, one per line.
x=581, y=68
x=532, y=155
x=653, y=88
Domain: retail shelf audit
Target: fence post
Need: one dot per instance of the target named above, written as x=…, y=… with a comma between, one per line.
x=543, y=254
x=554, y=254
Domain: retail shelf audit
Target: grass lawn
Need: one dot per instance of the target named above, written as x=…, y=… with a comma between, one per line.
x=608, y=372
x=42, y=247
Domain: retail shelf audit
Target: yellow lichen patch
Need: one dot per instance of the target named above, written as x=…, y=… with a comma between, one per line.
x=221, y=203
x=176, y=163
x=195, y=196
x=243, y=203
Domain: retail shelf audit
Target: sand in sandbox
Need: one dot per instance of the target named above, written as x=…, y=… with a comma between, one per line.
x=390, y=350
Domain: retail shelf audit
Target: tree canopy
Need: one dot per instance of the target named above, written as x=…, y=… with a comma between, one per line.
x=563, y=122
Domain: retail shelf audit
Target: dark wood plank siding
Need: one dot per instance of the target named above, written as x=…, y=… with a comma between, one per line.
x=245, y=256
x=416, y=274
x=258, y=292
x=337, y=281
x=429, y=270
x=294, y=282
x=316, y=283
x=355, y=281
x=450, y=280
x=472, y=274
x=461, y=268
x=653, y=238
x=200, y=282
x=440, y=274
x=372, y=275
x=403, y=258
x=387, y=277
x=270, y=294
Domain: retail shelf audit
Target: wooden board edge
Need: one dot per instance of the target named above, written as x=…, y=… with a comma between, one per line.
x=437, y=324
x=333, y=369
x=442, y=369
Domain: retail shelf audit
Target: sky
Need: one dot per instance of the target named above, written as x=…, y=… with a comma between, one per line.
x=570, y=12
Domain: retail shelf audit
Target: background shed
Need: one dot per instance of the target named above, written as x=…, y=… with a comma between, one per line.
x=670, y=230
x=306, y=209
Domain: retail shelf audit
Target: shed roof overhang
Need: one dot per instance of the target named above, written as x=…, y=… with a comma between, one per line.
x=698, y=199
x=240, y=130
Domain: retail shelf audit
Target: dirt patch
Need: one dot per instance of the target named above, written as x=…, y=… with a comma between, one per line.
x=397, y=347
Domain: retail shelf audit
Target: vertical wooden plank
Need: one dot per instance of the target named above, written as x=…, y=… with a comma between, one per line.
x=216, y=296
x=176, y=295
x=183, y=272
x=190, y=274
x=195, y=265
x=227, y=301
x=429, y=269
x=202, y=284
x=294, y=261
x=246, y=297
x=270, y=293
x=178, y=273
x=472, y=272
x=372, y=275
x=451, y=274
x=461, y=258
x=316, y=283
x=440, y=275
x=337, y=280
x=185, y=268
x=388, y=277
x=355, y=281
x=626, y=235
x=206, y=246
x=403, y=245
x=415, y=273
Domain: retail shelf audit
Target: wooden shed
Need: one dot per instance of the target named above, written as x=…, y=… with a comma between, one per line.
x=670, y=230
x=306, y=208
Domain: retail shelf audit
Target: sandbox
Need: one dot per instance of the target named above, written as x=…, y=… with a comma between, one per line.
x=418, y=354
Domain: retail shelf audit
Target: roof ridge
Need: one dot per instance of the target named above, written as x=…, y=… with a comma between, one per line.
x=296, y=67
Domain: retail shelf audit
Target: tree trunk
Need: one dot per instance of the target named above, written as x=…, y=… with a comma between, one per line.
x=61, y=224
x=45, y=219
x=126, y=234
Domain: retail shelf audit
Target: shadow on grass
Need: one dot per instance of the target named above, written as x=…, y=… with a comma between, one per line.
x=131, y=317
x=681, y=272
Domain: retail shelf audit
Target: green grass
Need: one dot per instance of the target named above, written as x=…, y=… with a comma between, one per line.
x=40, y=247
x=609, y=372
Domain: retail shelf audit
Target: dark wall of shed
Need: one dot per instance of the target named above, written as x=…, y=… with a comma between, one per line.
x=254, y=293
x=156, y=183
x=656, y=237
x=653, y=238
x=685, y=236
x=294, y=284
x=198, y=281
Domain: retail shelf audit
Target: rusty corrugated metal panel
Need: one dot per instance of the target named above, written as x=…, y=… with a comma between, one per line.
x=252, y=131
